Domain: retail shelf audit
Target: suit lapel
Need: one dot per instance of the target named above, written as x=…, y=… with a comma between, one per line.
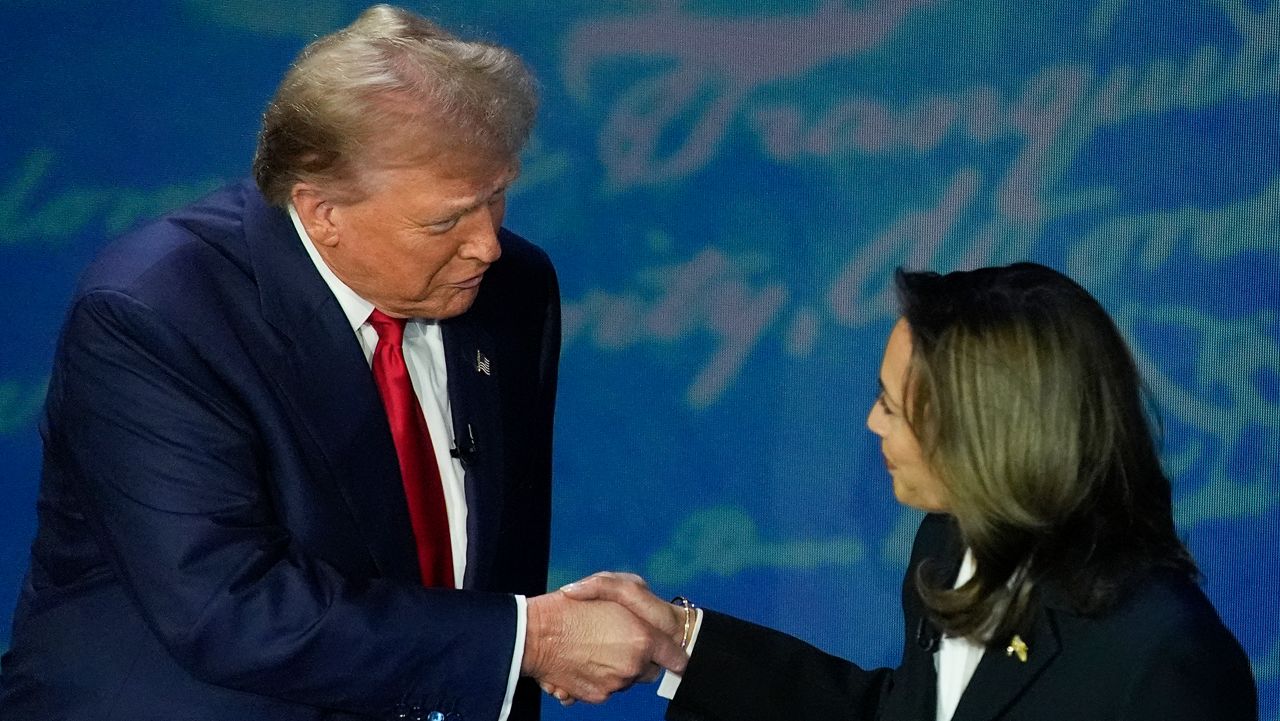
x=1000, y=677
x=473, y=366
x=943, y=552
x=945, y=563
x=322, y=374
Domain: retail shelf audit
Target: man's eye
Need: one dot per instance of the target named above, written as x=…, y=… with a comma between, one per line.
x=443, y=226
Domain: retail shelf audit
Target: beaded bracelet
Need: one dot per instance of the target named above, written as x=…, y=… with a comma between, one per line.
x=688, y=619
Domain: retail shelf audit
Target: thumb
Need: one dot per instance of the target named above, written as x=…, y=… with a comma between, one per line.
x=668, y=654
x=601, y=586
x=585, y=590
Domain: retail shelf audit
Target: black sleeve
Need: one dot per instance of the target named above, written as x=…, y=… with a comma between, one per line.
x=740, y=671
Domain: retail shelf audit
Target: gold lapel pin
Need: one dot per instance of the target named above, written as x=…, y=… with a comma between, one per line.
x=1018, y=646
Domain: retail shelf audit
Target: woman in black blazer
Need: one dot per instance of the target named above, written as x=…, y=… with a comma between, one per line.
x=1047, y=582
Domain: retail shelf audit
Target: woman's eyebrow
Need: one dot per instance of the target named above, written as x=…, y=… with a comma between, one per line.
x=884, y=392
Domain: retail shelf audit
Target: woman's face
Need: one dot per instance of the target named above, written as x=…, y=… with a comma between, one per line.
x=914, y=482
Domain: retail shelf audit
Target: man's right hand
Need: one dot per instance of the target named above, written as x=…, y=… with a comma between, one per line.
x=588, y=650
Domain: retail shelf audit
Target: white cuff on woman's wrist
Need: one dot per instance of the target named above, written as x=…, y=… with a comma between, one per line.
x=671, y=680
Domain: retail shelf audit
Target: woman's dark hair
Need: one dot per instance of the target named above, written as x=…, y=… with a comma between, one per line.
x=1028, y=405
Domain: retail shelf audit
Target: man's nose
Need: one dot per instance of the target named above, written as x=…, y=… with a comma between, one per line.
x=481, y=241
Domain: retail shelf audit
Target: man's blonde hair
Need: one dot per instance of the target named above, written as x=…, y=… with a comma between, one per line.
x=390, y=86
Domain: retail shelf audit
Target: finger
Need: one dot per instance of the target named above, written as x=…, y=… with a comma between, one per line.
x=651, y=673
x=654, y=611
x=630, y=578
x=630, y=591
x=593, y=694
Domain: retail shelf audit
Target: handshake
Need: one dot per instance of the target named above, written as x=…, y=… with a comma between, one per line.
x=600, y=635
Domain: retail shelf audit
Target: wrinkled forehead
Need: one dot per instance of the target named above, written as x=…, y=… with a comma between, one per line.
x=426, y=160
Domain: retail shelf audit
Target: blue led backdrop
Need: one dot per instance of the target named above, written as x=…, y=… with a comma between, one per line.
x=725, y=187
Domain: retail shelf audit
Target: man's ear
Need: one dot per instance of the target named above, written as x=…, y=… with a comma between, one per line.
x=316, y=211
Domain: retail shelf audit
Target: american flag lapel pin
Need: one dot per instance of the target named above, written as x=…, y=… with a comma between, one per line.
x=482, y=363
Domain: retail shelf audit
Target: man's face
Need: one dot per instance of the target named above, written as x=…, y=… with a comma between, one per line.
x=419, y=243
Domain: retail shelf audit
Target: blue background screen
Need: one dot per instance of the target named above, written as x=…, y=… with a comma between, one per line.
x=725, y=187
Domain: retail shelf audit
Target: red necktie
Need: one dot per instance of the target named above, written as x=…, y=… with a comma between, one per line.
x=422, y=488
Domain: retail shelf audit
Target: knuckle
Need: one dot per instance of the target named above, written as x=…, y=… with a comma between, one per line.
x=634, y=667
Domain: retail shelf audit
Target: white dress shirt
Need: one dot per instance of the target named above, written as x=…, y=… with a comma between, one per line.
x=423, y=348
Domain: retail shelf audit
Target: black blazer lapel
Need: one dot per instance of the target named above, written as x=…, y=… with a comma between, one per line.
x=1001, y=677
x=473, y=365
x=943, y=555
x=321, y=373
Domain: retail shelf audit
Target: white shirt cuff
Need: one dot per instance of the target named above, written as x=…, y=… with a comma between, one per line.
x=517, y=657
x=670, y=679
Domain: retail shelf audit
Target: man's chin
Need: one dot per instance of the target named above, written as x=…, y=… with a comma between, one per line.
x=457, y=304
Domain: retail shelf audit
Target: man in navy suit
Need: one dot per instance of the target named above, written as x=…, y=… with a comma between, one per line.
x=227, y=529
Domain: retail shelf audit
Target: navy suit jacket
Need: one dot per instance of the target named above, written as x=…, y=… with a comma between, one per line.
x=1161, y=655
x=222, y=533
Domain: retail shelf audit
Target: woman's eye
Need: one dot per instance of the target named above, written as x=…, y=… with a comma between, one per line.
x=884, y=405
